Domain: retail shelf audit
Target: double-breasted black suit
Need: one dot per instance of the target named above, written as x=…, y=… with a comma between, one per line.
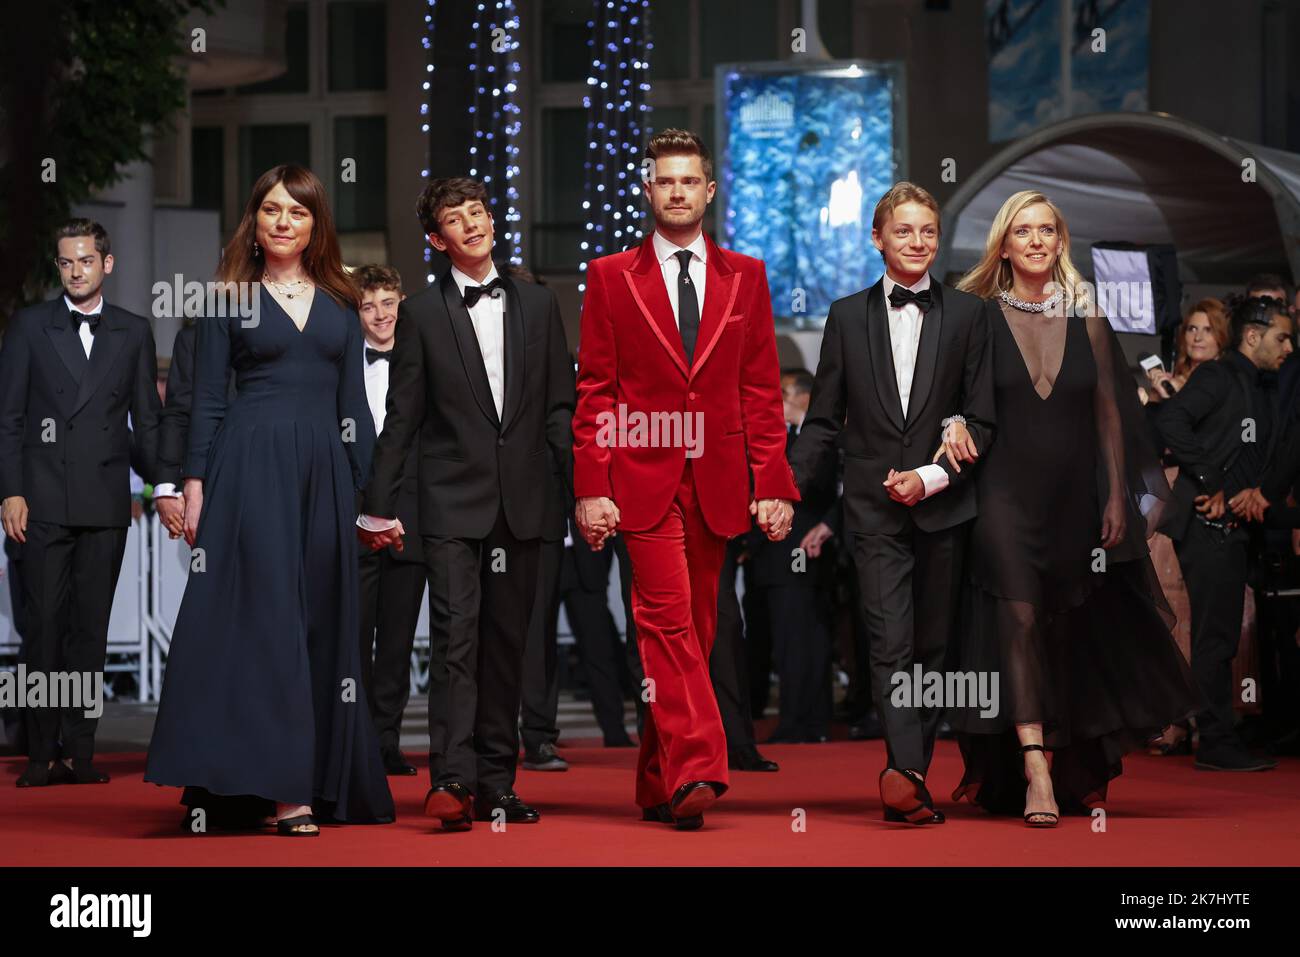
x=909, y=558
x=482, y=502
x=66, y=447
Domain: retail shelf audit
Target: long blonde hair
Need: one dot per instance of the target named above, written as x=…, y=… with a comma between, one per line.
x=992, y=274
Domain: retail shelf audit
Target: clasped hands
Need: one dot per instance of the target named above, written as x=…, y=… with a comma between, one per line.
x=1248, y=504
x=598, y=518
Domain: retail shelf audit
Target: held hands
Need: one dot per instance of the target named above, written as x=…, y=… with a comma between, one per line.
x=1211, y=506
x=1249, y=504
x=171, y=512
x=193, y=495
x=1113, y=523
x=377, y=540
x=904, y=487
x=958, y=445
x=817, y=536
x=13, y=513
x=597, y=517
x=774, y=516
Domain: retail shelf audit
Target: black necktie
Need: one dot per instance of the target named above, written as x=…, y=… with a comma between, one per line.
x=374, y=355
x=79, y=317
x=472, y=294
x=901, y=296
x=688, y=306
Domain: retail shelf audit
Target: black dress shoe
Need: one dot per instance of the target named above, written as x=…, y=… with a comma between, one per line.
x=81, y=772
x=903, y=792
x=897, y=818
x=660, y=813
x=691, y=801
x=37, y=775
x=547, y=758
x=750, y=760
x=450, y=803
x=395, y=764
x=516, y=811
x=623, y=742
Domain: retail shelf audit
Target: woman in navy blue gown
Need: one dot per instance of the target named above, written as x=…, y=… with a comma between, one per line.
x=262, y=708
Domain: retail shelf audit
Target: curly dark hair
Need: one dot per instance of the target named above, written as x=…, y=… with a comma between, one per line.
x=443, y=194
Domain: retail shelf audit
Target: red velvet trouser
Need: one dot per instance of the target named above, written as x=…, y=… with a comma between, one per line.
x=675, y=569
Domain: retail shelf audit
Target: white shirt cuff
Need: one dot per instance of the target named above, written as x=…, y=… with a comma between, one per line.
x=166, y=490
x=934, y=478
x=372, y=524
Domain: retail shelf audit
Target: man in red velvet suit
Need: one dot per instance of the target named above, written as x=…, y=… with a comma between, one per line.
x=679, y=405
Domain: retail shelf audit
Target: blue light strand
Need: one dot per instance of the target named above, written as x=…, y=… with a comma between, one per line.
x=426, y=42
x=493, y=153
x=617, y=84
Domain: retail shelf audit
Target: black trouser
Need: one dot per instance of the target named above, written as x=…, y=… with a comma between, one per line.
x=391, y=591
x=758, y=646
x=541, y=692
x=584, y=585
x=69, y=575
x=1214, y=566
x=803, y=658
x=910, y=584
x=14, y=724
x=728, y=664
x=481, y=593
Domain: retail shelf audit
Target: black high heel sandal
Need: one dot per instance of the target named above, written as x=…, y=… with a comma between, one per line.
x=1028, y=814
x=297, y=827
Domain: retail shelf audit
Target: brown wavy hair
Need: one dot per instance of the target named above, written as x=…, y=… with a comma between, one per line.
x=321, y=260
x=1220, y=328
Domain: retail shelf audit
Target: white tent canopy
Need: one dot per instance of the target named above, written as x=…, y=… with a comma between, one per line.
x=1143, y=178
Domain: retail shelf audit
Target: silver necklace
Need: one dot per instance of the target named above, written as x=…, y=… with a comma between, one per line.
x=297, y=285
x=1024, y=306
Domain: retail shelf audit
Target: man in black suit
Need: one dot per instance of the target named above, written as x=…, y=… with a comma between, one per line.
x=898, y=361
x=1221, y=429
x=71, y=371
x=480, y=372
x=788, y=583
x=392, y=579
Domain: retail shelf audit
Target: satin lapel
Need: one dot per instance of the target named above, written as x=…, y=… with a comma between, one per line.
x=927, y=353
x=646, y=282
x=66, y=341
x=462, y=326
x=882, y=356
x=108, y=343
x=719, y=297
x=515, y=357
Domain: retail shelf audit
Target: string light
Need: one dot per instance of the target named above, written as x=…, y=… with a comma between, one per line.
x=617, y=85
x=493, y=153
x=427, y=86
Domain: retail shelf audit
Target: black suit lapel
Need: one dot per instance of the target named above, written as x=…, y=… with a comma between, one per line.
x=515, y=356
x=927, y=353
x=109, y=339
x=882, y=356
x=66, y=340
x=467, y=342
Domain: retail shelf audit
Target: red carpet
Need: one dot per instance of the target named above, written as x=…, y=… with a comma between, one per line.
x=1161, y=812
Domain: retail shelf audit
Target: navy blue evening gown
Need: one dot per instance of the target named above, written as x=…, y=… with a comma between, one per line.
x=262, y=699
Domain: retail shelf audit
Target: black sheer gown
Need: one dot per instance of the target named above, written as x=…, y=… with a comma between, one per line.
x=262, y=700
x=1079, y=637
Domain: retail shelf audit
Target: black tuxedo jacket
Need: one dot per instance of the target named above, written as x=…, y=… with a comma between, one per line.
x=856, y=391
x=1202, y=428
x=64, y=441
x=472, y=463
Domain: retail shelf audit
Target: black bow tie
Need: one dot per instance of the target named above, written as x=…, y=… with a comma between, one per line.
x=374, y=355
x=472, y=294
x=79, y=317
x=901, y=296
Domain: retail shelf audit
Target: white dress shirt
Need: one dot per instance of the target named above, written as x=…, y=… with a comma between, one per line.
x=670, y=268
x=489, y=318
x=377, y=386
x=87, y=340
x=904, y=340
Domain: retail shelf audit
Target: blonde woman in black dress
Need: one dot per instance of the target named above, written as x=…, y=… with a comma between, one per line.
x=1062, y=601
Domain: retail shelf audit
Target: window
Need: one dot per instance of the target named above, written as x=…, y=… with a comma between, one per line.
x=734, y=31
x=670, y=32
x=295, y=79
x=566, y=56
x=206, y=144
x=562, y=228
x=363, y=204
x=261, y=147
x=357, y=38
